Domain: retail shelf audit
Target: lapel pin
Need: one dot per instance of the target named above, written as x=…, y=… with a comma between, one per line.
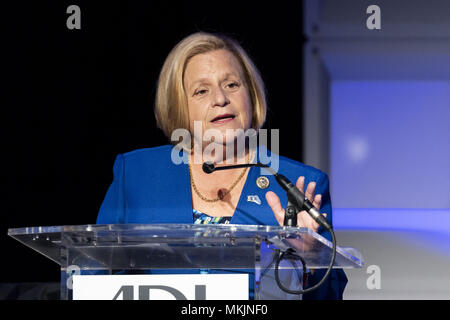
x=262, y=182
x=254, y=198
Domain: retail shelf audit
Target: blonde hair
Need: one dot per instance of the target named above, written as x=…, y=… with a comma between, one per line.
x=171, y=103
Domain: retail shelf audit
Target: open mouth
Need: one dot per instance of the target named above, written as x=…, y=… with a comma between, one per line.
x=223, y=118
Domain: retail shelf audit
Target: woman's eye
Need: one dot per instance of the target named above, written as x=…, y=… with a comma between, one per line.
x=233, y=85
x=200, y=92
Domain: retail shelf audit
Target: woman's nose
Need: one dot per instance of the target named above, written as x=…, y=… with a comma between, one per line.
x=220, y=98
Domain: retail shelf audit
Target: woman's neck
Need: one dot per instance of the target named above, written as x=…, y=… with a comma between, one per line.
x=221, y=154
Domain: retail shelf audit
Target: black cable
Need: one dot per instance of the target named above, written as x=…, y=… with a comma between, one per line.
x=301, y=277
x=277, y=253
x=327, y=273
x=298, y=199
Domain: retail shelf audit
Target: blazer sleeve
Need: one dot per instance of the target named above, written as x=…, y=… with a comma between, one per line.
x=333, y=287
x=113, y=208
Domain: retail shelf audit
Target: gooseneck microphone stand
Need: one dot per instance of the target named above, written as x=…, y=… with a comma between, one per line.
x=296, y=202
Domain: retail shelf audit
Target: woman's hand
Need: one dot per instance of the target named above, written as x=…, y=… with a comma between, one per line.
x=304, y=220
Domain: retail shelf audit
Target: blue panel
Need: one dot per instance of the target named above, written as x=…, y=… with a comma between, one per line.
x=390, y=144
x=392, y=219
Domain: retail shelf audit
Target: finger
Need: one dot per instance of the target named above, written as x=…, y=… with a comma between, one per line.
x=301, y=183
x=301, y=219
x=275, y=205
x=310, y=191
x=304, y=220
x=317, y=201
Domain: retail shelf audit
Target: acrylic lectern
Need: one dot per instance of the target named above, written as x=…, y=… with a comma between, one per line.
x=182, y=261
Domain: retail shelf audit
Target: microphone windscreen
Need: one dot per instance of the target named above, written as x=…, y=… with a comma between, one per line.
x=208, y=167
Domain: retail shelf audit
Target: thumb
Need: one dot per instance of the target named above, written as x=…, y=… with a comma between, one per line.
x=275, y=205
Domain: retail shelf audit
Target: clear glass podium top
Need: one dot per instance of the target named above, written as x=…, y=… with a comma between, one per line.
x=99, y=241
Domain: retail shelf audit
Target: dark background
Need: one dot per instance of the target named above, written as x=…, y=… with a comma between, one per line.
x=73, y=99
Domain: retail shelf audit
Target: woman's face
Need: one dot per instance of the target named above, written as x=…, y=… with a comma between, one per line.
x=217, y=94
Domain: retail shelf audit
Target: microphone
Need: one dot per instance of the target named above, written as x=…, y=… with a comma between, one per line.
x=296, y=196
x=208, y=167
x=293, y=193
x=296, y=202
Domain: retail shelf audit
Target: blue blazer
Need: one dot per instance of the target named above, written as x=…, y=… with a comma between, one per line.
x=149, y=188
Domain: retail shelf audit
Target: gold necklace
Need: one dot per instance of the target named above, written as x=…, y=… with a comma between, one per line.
x=223, y=195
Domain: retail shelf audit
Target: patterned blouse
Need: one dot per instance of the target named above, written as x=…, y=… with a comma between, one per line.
x=203, y=218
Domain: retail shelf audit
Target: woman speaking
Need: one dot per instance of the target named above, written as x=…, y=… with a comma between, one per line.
x=209, y=84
